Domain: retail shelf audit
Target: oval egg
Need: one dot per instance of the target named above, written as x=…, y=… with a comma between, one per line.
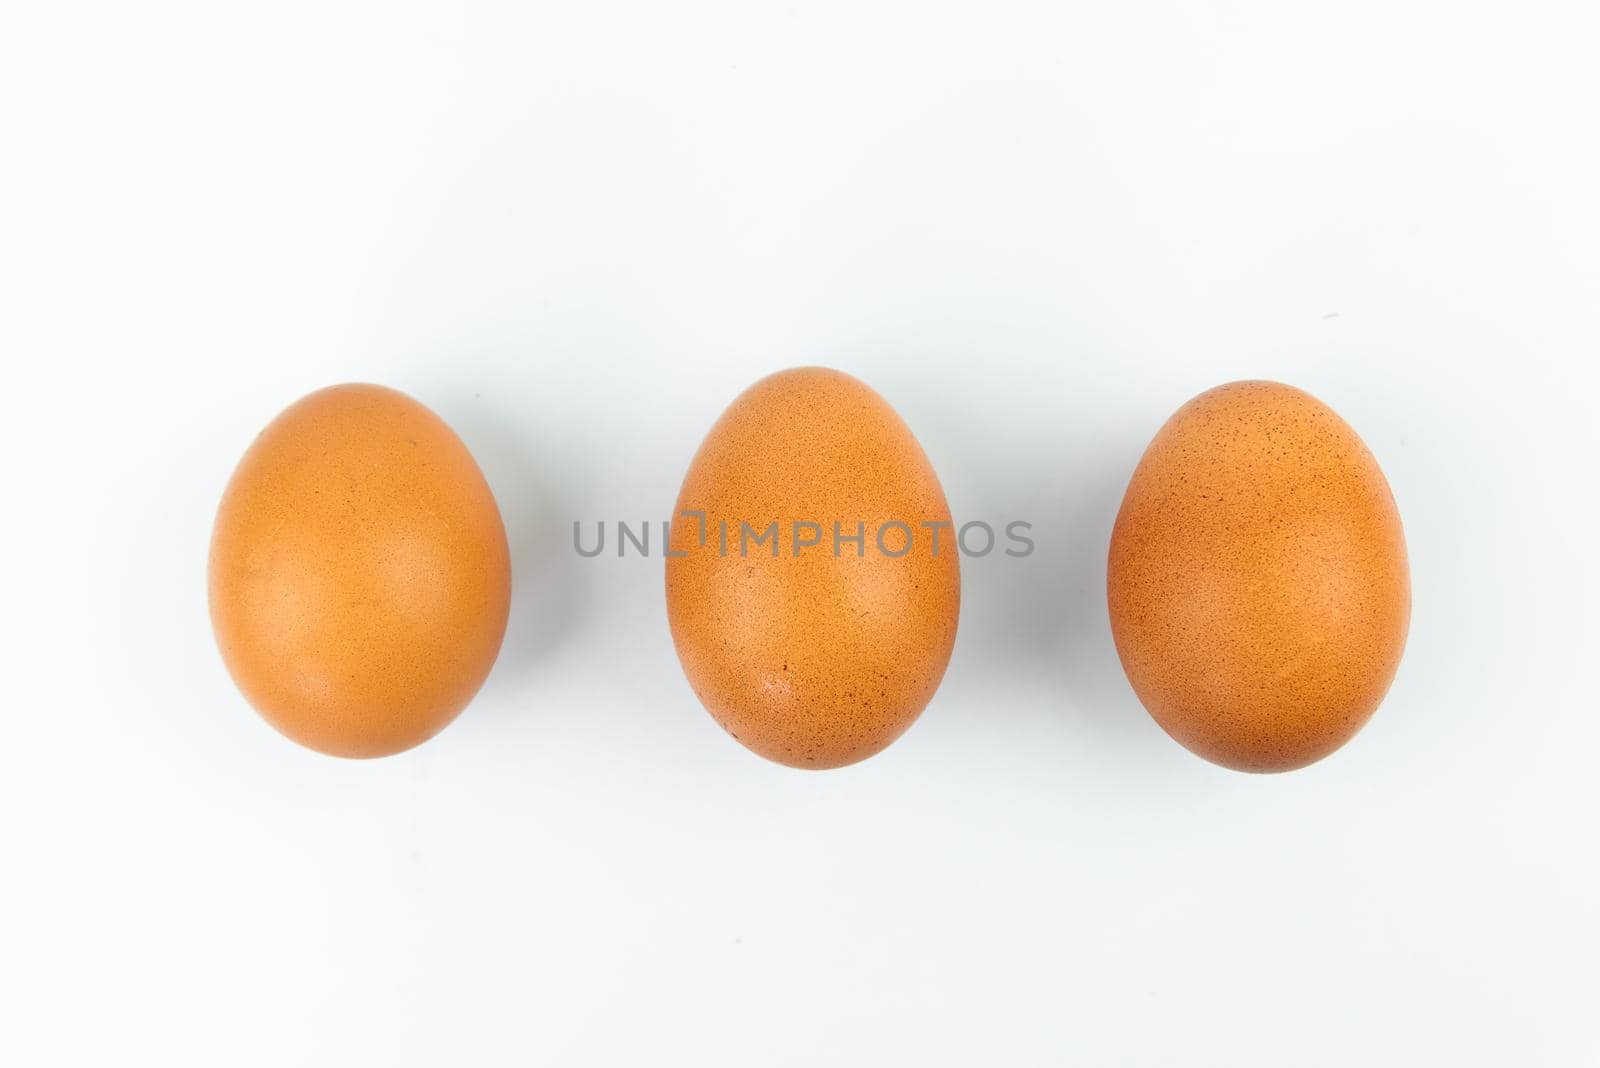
x=811, y=648
x=359, y=574
x=1257, y=580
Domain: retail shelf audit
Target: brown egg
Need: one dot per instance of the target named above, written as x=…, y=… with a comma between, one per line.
x=813, y=655
x=1257, y=580
x=359, y=575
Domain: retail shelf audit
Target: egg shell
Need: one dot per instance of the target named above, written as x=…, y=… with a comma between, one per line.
x=1257, y=580
x=813, y=660
x=359, y=573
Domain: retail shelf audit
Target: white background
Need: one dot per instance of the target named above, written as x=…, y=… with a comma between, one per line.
x=577, y=231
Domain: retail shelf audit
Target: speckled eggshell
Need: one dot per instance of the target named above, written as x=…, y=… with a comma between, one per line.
x=359, y=576
x=1257, y=580
x=814, y=661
